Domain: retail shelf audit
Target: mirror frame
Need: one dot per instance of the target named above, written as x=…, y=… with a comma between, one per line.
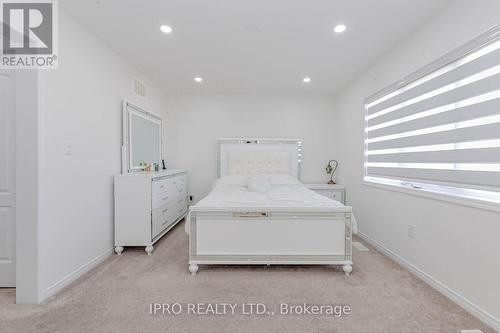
x=130, y=109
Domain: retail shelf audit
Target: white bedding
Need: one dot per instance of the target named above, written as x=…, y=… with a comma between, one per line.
x=277, y=196
x=230, y=192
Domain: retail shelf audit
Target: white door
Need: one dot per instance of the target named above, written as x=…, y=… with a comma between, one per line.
x=7, y=181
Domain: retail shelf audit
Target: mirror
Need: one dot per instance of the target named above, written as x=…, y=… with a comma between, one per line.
x=142, y=138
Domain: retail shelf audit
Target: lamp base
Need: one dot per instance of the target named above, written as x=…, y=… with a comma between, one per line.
x=331, y=182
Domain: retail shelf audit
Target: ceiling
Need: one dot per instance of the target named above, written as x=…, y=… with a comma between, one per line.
x=242, y=46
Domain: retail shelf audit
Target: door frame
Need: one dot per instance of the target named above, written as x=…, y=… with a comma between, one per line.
x=28, y=99
x=8, y=197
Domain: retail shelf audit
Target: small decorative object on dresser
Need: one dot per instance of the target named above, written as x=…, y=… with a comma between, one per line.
x=147, y=206
x=330, y=169
x=332, y=191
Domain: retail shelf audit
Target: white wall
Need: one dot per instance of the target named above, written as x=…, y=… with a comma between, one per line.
x=198, y=120
x=81, y=105
x=456, y=245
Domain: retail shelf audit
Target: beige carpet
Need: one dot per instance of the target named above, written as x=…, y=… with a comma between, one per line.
x=115, y=297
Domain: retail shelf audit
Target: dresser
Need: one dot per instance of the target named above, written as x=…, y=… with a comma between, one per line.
x=332, y=191
x=147, y=206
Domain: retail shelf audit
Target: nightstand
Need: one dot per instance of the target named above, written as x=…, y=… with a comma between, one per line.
x=335, y=191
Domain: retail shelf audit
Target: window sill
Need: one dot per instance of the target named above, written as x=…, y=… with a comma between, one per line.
x=475, y=203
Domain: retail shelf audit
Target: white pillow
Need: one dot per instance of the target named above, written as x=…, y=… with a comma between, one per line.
x=257, y=183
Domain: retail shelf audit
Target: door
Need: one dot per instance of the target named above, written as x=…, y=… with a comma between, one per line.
x=7, y=180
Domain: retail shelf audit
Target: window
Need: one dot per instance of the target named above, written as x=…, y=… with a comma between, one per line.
x=438, y=130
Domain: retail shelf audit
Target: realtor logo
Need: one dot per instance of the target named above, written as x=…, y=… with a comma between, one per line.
x=29, y=34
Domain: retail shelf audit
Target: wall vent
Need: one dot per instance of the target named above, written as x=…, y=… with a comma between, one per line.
x=139, y=88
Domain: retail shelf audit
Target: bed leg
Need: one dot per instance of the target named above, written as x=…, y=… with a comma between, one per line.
x=149, y=249
x=193, y=268
x=347, y=269
x=118, y=250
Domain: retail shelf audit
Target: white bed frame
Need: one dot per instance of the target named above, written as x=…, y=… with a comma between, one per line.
x=267, y=236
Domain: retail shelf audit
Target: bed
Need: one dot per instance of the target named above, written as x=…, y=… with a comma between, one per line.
x=259, y=213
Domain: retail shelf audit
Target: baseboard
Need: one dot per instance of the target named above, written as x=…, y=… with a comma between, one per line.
x=470, y=307
x=70, y=278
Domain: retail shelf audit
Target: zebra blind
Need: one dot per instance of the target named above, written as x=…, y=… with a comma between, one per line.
x=442, y=125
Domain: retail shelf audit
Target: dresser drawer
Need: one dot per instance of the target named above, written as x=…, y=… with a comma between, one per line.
x=165, y=215
x=162, y=185
x=171, y=194
x=178, y=181
x=162, y=217
x=332, y=194
x=160, y=199
x=179, y=211
x=182, y=180
x=180, y=206
x=168, y=189
x=180, y=201
x=180, y=191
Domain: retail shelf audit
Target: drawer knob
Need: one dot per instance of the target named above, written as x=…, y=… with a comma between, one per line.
x=165, y=210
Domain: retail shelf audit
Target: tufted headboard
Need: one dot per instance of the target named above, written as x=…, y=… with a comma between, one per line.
x=257, y=156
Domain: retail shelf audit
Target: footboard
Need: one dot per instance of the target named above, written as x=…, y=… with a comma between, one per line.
x=313, y=236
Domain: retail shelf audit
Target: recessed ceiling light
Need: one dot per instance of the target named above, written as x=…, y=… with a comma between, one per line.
x=166, y=29
x=198, y=79
x=306, y=80
x=340, y=28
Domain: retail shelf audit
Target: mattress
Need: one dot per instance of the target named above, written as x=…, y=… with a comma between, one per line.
x=227, y=194
x=277, y=196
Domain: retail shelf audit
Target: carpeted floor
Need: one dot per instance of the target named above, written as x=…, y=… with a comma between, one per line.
x=116, y=297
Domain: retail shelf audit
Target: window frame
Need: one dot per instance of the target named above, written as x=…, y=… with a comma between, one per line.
x=438, y=191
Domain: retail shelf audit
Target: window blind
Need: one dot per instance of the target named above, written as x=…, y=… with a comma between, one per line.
x=440, y=125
